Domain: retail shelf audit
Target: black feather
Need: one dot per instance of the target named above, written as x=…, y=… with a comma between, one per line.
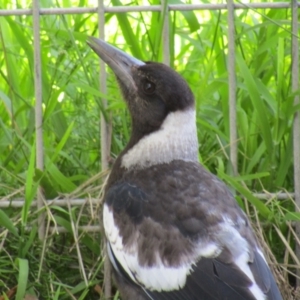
x=126, y=198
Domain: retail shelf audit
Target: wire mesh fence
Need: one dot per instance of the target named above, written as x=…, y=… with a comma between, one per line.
x=101, y=11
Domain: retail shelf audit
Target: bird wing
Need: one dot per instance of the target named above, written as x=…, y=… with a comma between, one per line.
x=175, y=249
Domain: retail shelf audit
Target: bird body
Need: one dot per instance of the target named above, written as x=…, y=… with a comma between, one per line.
x=174, y=230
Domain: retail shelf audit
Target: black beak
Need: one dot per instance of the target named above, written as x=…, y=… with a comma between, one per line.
x=120, y=62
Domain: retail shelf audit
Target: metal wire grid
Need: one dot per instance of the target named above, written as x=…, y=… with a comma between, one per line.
x=36, y=12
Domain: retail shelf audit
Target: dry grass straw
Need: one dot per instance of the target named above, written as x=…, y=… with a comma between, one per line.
x=282, y=270
x=87, y=221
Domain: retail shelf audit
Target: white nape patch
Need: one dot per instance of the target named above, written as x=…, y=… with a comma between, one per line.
x=239, y=248
x=159, y=277
x=176, y=139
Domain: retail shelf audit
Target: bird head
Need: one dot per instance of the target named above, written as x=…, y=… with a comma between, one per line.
x=154, y=94
x=151, y=90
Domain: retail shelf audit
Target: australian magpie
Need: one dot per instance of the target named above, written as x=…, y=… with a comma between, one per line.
x=174, y=230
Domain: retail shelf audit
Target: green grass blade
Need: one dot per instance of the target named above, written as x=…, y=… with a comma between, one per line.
x=261, y=207
x=22, y=278
x=159, y=32
x=128, y=34
x=189, y=16
x=252, y=176
x=257, y=102
x=62, y=142
x=28, y=243
x=30, y=186
x=292, y=216
x=6, y=222
x=66, y=185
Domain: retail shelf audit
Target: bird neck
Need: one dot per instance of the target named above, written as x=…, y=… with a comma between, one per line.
x=175, y=140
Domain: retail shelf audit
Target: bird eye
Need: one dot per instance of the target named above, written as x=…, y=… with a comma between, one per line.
x=149, y=87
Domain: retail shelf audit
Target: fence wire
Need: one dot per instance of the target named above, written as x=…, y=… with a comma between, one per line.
x=165, y=8
x=143, y=8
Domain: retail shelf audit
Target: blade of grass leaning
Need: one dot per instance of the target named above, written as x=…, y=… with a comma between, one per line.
x=151, y=30
x=261, y=207
x=292, y=216
x=64, y=223
x=22, y=39
x=50, y=190
x=51, y=104
x=62, y=142
x=117, y=295
x=78, y=288
x=127, y=32
x=41, y=177
x=57, y=293
x=98, y=95
x=22, y=278
x=267, y=96
x=6, y=222
x=243, y=129
x=30, y=186
x=74, y=45
x=255, y=159
x=67, y=186
x=59, y=121
x=172, y=31
x=280, y=84
x=252, y=176
x=28, y=242
x=7, y=102
x=159, y=32
x=257, y=102
x=189, y=16
x=285, y=163
x=91, y=244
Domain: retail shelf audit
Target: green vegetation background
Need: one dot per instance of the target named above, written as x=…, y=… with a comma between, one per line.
x=69, y=265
